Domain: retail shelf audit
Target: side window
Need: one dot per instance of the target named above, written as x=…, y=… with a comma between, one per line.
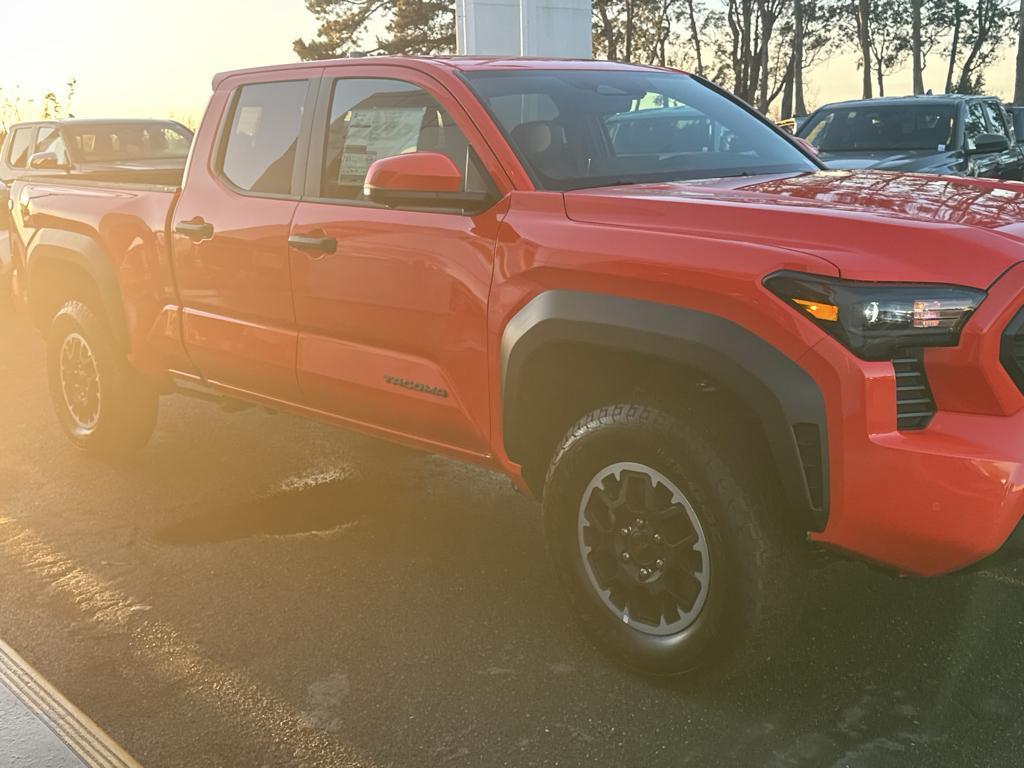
x=49, y=140
x=995, y=119
x=975, y=125
x=21, y=147
x=375, y=118
x=820, y=130
x=260, y=152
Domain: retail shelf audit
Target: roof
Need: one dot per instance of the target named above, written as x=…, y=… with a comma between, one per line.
x=928, y=98
x=460, y=63
x=94, y=121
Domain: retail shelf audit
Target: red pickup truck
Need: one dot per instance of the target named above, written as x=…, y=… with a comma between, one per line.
x=617, y=284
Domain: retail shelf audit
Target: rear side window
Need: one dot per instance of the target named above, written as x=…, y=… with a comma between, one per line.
x=21, y=147
x=260, y=152
x=376, y=118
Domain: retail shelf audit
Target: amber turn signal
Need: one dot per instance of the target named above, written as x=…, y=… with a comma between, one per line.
x=819, y=310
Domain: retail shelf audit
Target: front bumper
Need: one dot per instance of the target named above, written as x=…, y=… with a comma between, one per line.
x=937, y=499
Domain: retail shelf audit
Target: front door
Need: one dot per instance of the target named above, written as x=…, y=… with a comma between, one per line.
x=1010, y=162
x=392, y=316
x=986, y=165
x=231, y=228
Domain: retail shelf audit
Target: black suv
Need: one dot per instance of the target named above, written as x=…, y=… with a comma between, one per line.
x=952, y=135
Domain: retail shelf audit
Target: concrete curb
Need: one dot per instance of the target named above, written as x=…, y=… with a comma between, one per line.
x=70, y=725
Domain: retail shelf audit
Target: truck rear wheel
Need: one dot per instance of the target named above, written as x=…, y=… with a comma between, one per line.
x=671, y=556
x=103, y=404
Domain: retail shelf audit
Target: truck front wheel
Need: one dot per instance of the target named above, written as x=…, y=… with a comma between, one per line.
x=669, y=552
x=104, y=405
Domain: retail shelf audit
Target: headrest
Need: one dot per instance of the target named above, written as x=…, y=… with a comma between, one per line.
x=537, y=136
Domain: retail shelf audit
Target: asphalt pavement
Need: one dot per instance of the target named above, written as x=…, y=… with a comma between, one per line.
x=257, y=590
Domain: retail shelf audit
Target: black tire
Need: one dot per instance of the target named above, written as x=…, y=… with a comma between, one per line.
x=104, y=405
x=753, y=566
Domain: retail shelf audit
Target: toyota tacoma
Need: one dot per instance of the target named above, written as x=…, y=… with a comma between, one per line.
x=706, y=355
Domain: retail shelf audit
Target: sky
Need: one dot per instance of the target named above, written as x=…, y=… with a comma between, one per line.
x=149, y=58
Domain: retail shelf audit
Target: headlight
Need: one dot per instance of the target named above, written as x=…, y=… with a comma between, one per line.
x=873, y=320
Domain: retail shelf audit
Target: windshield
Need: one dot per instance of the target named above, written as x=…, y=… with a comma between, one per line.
x=120, y=142
x=576, y=128
x=878, y=128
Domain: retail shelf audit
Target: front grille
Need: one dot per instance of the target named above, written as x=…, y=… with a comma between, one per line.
x=915, y=405
x=1011, y=350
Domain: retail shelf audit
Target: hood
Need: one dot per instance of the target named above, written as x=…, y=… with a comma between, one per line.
x=889, y=160
x=870, y=225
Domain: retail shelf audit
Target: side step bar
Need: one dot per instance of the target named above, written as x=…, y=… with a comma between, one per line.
x=200, y=390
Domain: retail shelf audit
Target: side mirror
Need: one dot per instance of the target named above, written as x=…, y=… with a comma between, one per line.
x=46, y=161
x=420, y=180
x=989, y=142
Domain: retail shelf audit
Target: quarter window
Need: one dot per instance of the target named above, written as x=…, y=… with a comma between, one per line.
x=21, y=147
x=376, y=118
x=260, y=152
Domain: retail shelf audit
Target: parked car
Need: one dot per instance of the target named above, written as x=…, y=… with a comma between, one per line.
x=703, y=359
x=104, y=150
x=952, y=135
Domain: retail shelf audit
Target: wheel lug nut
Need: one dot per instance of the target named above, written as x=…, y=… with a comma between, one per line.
x=659, y=564
x=624, y=532
x=625, y=557
x=644, y=573
x=639, y=522
x=657, y=538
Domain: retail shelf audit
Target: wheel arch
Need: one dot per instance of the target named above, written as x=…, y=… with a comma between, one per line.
x=554, y=335
x=61, y=265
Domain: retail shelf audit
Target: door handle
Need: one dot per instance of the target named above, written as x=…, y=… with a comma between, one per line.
x=313, y=243
x=195, y=230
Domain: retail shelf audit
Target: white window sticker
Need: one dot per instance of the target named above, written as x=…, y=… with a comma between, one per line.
x=249, y=119
x=942, y=148
x=375, y=133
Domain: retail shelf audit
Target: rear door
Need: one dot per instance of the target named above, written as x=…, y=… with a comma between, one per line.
x=393, y=321
x=231, y=228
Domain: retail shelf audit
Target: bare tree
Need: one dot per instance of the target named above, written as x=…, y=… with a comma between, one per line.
x=797, y=67
x=634, y=30
x=978, y=36
x=695, y=35
x=1018, y=93
x=864, y=37
x=890, y=38
x=413, y=27
x=915, y=45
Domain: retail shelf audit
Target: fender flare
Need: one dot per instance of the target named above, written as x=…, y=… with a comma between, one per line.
x=780, y=393
x=58, y=246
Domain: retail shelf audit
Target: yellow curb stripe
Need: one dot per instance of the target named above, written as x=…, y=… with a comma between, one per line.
x=81, y=735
